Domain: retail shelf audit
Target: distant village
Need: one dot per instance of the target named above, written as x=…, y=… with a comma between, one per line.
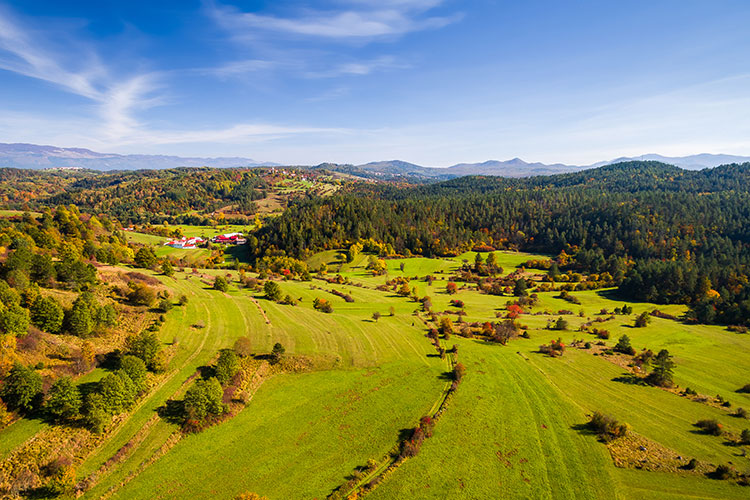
x=196, y=241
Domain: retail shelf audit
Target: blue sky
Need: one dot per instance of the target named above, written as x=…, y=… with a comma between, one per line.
x=428, y=81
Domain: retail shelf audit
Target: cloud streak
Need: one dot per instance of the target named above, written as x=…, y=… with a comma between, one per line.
x=362, y=20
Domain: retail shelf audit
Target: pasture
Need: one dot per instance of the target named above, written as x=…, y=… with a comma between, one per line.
x=520, y=413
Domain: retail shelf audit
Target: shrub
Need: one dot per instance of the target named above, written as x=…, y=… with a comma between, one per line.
x=458, y=372
x=745, y=389
x=709, y=426
x=165, y=305
x=643, y=320
x=745, y=436
x=140, y=294
x=182, y=300
x=606, y=427
x=741, y=413
x=722, y=472
x=692, y=464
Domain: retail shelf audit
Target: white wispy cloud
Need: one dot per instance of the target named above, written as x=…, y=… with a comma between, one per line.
x=358, y=68
x=357, y=19
x=115, y=96
x=117, y=99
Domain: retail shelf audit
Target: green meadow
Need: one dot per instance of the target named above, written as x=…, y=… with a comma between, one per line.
x=514, y=428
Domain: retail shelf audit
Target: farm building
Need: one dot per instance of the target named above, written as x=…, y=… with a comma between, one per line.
x=185, y=242
x=230, y=239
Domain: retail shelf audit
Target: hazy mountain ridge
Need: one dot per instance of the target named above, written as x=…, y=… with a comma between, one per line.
x=21, y=155
x=38, y=157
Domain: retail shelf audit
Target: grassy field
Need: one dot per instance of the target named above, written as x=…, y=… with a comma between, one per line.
x=376, y=360
x=18, y=213
x=513, y=429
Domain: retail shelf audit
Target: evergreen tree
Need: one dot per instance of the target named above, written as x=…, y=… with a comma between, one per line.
x=662, y=369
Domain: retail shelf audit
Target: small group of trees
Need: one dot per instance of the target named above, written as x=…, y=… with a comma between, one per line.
x=554, y=349
x=411, y=446
x=64, y=403
x=322, y=305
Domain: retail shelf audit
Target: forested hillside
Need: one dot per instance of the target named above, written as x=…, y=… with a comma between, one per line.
x=666, y=235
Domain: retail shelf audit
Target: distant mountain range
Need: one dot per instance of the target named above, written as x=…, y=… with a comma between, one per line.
x=39, y=157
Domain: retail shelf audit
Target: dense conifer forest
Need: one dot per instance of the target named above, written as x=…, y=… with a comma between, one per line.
x=667, y=235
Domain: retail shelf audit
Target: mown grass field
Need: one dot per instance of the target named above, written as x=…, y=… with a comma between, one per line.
x=513, y=429
x=383, y=356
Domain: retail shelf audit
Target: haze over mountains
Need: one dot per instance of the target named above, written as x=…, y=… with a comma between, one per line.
x=39, y=157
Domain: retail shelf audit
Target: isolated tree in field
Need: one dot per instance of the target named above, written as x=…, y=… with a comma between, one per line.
x=21, y=387
x=272, y=290
x=182, y=300
x=745, y=436
x=166, y=268
x=376, y=316
x=446, y=326
x=404, y=290
x=392, y=311
x=451, y=288
x=662, y=369
x=277, y=352
x=220, y=284
x=227, y=366
x=145, y=258
x=561, y=324
x=204, y=399
x=623, y=346
x=519, y=289
x=243, y=346
x=64, y=400
x=47, y=314
x=642, y=320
